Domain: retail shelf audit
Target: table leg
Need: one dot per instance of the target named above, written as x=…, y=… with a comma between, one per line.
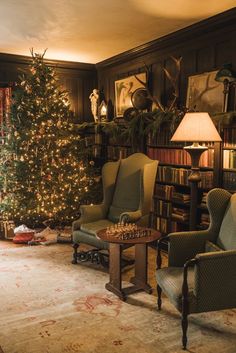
x=141, y=264
x=115, y=283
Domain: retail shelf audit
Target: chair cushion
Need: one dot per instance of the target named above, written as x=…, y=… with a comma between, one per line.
x=211, y=247
x=170, y=279
x=93, y=227
x=128, y=188
x=227, y=235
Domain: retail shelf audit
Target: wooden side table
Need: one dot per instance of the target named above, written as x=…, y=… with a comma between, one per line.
x=139, y=280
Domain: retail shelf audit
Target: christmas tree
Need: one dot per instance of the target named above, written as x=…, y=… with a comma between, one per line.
x=46, y=172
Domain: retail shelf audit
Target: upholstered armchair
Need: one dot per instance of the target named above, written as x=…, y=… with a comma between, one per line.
x=201, y=273
x=127, y=196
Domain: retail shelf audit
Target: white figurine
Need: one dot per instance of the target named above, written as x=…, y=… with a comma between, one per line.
x=94, y=98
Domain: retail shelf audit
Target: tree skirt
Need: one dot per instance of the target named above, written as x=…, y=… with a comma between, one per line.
x=51, y=306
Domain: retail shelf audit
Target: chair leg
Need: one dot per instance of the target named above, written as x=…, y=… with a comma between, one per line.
x=75, y=247
x=184, y=327
x=159, y=301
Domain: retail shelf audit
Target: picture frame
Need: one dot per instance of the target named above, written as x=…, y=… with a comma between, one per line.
x=124, y=89
x=204, y=94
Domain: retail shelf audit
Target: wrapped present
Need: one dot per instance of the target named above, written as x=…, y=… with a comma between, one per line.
x=7, y=229
x=23, y=234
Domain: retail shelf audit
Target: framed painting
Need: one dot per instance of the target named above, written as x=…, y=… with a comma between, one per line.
x=124, y=89
x=204, y=94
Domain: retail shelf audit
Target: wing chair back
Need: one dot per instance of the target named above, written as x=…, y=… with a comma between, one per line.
x=201, y=275
x=227, y=235
x=134, y=186
x=128, y=186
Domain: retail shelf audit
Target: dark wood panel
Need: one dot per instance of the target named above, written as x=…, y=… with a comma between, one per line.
x=204, y=46
x=77, y=78
x=205, y=58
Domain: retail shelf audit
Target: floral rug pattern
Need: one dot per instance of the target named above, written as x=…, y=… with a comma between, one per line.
x=49, y=305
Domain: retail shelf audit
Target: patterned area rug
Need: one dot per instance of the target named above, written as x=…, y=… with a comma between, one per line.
x=51, y=306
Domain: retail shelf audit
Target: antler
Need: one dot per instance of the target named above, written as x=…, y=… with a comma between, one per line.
x=174, y=81
x=145, y=84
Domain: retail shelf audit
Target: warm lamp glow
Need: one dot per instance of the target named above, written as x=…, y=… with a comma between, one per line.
x=196, y=127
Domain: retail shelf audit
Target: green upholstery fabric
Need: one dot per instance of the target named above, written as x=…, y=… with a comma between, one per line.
x=212, y=281
x=215, y=280
x=227, y=235
x=94, y=227
x=91, y=239
x=128, y=186
x=211, y=247
x=171, y=279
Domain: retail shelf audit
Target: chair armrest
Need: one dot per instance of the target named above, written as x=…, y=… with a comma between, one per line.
x=89, y=213
x=184, y=246
x=159, y=242
x=129, y=217
x=215, y=280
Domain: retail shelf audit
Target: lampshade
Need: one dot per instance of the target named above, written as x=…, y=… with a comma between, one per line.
x=196, y=127
x=226, y=73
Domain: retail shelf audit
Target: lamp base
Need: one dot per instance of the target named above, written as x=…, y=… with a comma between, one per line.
x=195, y=152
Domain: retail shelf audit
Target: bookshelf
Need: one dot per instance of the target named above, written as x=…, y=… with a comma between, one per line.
x=171, y=202
x=229, y=158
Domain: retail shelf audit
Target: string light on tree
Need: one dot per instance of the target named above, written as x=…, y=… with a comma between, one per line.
x=51, y=172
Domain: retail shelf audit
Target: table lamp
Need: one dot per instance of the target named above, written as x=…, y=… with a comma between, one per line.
x=227, y=76
x=195, y=127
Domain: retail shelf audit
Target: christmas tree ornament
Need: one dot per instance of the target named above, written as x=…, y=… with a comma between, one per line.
x=47, y=171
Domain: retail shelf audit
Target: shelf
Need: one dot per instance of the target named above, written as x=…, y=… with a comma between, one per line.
x=179, y=221
x=229, y=148
x=177, y=147
x=229, y=170
x=156, y=197
x=184, y=166
x=165, y=147
x=181, y=203
x=161, y=216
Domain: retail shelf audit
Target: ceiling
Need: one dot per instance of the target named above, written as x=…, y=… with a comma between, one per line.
x=91, y=31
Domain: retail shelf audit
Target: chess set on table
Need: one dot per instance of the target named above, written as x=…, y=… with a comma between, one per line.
x=126, y=231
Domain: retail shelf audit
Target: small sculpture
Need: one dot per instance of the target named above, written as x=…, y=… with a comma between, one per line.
x=94, y=98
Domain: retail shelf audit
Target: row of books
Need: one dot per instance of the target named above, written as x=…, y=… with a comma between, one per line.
x=165, y=227
x=162, y=208
x=168, y=192
x=180, y=214
x=180, y=176
x=164, y=191
x=229, y=159
x=163, y=138
x=205, y=220
x=180, y=197
x=162, y=225
x=180, y=156
x=229, y=181
x=204, y=199
x=229, y=137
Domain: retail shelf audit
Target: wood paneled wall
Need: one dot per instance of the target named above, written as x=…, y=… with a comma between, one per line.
x=77, y=78
x=204, y=46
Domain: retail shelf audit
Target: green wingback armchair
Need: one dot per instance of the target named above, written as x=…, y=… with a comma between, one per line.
x=201, y=273
x=127, y=196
